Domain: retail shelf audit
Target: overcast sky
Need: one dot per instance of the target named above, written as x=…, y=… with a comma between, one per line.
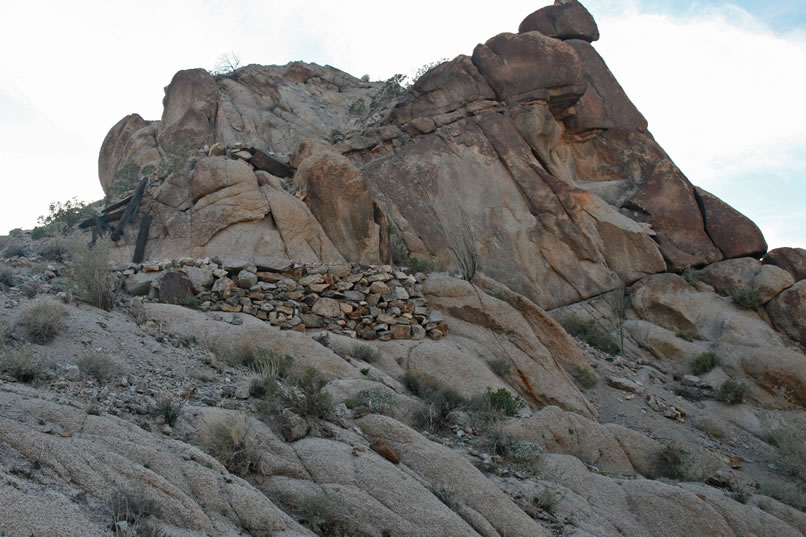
x=721, y=83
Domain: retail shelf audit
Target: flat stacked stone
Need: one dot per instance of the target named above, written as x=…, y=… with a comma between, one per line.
x=361, y=301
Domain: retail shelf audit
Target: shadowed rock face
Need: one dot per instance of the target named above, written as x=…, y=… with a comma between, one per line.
x=531, y=146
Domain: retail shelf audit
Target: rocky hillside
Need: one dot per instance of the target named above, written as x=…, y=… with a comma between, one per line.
x=488, y=304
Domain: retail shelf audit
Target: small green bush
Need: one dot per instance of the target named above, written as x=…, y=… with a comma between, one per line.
x=690, y=275
x=584, y=377
x=366, y=353
x=231, y=441
x=377, y=400
x=672, y=463
x=503, y=400
x=364, y=371
x=43, y=321
x=685, y=336
x=99, y=366
x=500, y=367
x=704, y=363
x=732, y=393
x=592, y=335
x=747, y=298
x=16, y=232
x=63, y=217
x=169, y=408
x=439, y=402
x=23, y=365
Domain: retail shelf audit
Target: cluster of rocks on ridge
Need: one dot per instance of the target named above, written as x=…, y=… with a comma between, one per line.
x=368, y=302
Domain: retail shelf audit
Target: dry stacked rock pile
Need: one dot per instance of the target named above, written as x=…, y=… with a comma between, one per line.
x=360, y=301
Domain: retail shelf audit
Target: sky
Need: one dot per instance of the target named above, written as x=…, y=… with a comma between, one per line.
x=720, y=82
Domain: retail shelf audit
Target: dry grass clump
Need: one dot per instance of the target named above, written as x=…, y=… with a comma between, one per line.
x=92, y=279
x=230, y=440
x=43, y=321
x=366, y=353
x=327, y=517
x=169, y=408
x=23, y=365
x=500, y=367
x=584, y=377
x=99, y=366
x=672, y=462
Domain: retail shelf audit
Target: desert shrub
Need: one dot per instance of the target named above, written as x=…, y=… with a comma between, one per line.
x=704, y=363
x=792, y=450
x=265, y=361
x=16, y=232
x=29, y=289
x=267, y=367
x=685, y=335
x=229, y=439
x=671, y=462
x=439, y=402
x=366, y=353
x=55, y=250
x=4, y=332
x=423, y=69
x=732, y=392
x=690, y=275
x=446, y=495
x=503, y=400
x=747, y=298
x=314, y=403
x=192, y=302
x=591, y=334
x=401, y=256
x=788, y=493
x=63, y=217
x=23, y=365
x=546, y=500
x=364, y=371
x=358, y=107
x=521, y=453
x=7, y=278
x=99, y=366
x=15, y=250
x=130, y=514
x=377, y=400
x=392, y=89
x=500, y=367
x=43, y=321
x=584, y=377
x=91, y=278
x=169, y=408
x=323, y=338
x=327, y=517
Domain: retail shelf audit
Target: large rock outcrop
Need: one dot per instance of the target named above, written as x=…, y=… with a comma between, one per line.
x=530, y=146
